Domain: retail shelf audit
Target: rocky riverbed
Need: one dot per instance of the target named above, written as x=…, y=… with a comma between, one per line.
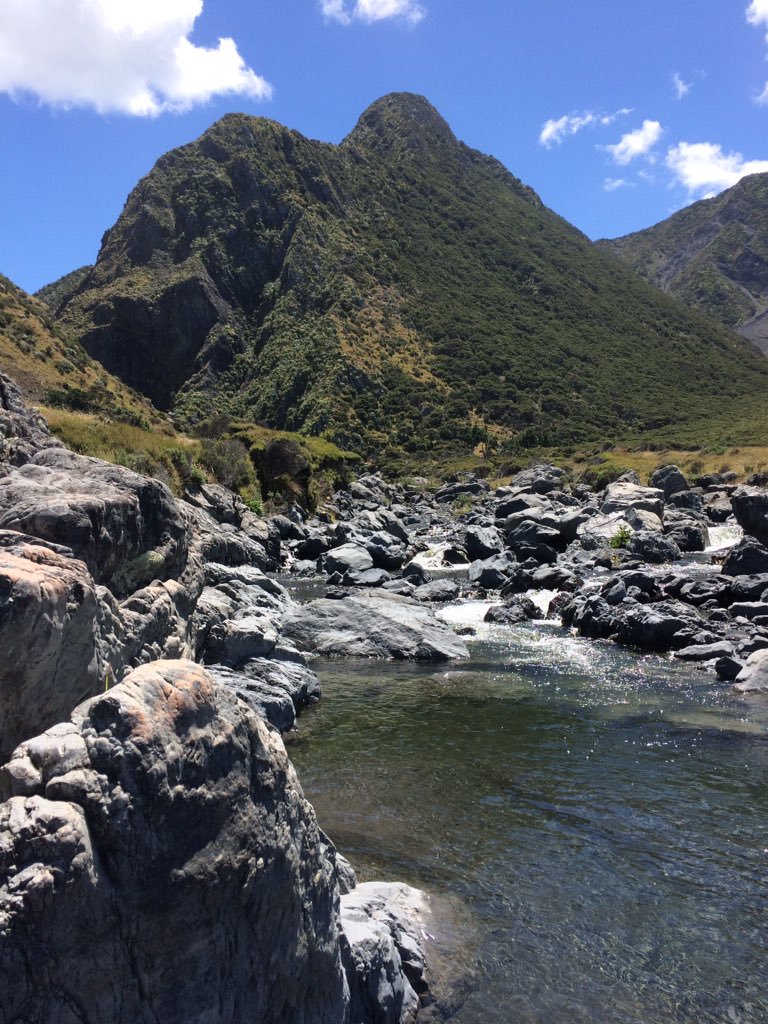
x=157, y=857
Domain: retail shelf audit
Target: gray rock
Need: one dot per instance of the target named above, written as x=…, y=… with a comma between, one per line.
x=50, y=656
x=129, y=530
x=622, y=495
x=653, y=547
x=161, y=863
x=373, y=624
x=437, y=590
x=706, y=652
x=492, y=573
x=749, y=557
x=522, y=502
x=539, y=479
x=670, y=480
x=346, y=558
x=482, y=542
x=276, y=690
x=383, y=924
x=753, y=678
x=23, y=432
x=750, y=506
x=513, y=612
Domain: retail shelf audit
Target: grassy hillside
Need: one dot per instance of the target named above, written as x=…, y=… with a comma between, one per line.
x=712, y=255
x=400, y=294
x=54, y=369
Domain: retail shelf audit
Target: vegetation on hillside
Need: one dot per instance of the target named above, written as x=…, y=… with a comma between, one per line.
x=400, y=294
x=58, y=292
x=712, y=255
x=52, y=368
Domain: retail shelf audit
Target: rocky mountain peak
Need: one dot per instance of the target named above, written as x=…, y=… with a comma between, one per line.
x=401, y=121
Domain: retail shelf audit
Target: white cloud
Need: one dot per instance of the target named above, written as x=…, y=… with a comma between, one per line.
x=128, y=56
x=612, y=184
x=682, y=88
x=556, y=129
x=704, y=169
x=373, y=10
x=757, y=14
x=636, y=143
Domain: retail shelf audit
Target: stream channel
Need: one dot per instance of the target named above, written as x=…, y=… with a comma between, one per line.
x=601, y=817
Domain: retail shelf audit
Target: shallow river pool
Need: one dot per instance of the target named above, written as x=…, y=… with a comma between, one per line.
x=602, y=817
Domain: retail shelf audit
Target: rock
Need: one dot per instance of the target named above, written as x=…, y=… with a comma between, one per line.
x=23, y=432
x=129, y=530
x=653, y=547
x=346, y=558
x=482, y=542
x=531, y=534
x=383, y=924
x=374, y=624
x=691, y=501
x=161, y=863
x=688, y=534
x=386, y=551
x=539, y=479
x=622, y=495
x=492, y=573
x=753, y=678
x=706, y=652
x=670, y=480
x=50, y=657
x=516, y=610
x=750, y=506
x=521, y=502
x=658, y=626
x=450, y=492
x=438, y=591
x=747, y=558
x=728, y=667
x=415, y=573
x=455, y=556
x=276, y=690
x=749, y=609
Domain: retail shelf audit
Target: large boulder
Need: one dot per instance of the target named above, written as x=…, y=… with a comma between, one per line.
x=376, y=624
x=749, y=557
x=669, y=479
x=158, y=861
x=750, y=506
x=541, y=479
x=128, y=529
x=49, y=645
x=622, y=495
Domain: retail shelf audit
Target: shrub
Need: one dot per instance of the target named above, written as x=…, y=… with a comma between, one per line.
x=622, y=538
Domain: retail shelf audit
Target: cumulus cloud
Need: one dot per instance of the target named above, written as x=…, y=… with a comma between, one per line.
x=704, y=169
x=127, y=56
x=556, y=129
x=682, y=88
x=636, y=143
x=372, y=10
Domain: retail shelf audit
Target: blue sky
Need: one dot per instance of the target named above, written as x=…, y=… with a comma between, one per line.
x=617, y=113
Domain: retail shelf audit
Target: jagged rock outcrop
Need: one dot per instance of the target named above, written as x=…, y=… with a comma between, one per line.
x=22, y=431
x=50, y=655
x=159, y=862
x=127, y=528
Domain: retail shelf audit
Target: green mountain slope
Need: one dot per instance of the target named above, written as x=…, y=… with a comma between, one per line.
x=712, y=255
x=58, y=292
x=398, y=293
x=53, y=369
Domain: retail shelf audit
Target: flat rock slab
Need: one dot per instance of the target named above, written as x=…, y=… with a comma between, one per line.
x=372, y=625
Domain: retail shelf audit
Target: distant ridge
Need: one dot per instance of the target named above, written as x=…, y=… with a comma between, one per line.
x=712, y=255
x=400, y=293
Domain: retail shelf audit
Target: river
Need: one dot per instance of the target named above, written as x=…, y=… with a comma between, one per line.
x=601, y=816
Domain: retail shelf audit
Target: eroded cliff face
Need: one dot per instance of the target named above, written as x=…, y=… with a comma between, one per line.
x=158, y=862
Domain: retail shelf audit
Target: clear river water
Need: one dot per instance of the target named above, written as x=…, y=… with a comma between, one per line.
x=600, y=816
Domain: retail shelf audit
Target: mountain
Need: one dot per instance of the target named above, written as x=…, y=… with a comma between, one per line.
x=712, y=255
x=58, y=292
x=400, y=293
x=53, y=369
